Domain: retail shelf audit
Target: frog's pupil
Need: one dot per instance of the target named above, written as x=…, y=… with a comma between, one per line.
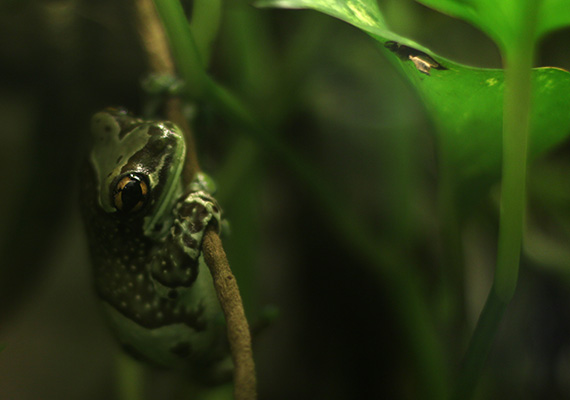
x=131, y=195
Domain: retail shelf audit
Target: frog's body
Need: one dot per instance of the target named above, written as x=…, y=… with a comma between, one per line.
x=145, y=232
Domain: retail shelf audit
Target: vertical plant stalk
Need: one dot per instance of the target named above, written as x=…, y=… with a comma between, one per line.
x=130, y=378
x=516, y=126
x=153, y=38
x=160, y=60
x=205, y=23
x=518, y=61
x=155, y=44
x=189, y=62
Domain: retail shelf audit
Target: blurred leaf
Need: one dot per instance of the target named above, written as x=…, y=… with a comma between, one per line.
x=502, y=19
x=465, y=103
x=547, y=231
x=554, y=14
x=364, y=14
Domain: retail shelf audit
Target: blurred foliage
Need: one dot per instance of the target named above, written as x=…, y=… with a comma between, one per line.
x=501, y=19
x=326, y=90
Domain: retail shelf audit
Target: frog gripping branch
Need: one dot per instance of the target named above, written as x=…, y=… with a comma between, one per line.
x=149, y=192
x=145, y=230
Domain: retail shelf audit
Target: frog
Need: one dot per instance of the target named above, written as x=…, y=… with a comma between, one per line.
x=145, y=228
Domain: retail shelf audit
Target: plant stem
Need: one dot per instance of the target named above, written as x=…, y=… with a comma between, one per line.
x=130, y=378
x=479, y=346
x=516, y=126
x=189, y=62
x=238, y=330
x=152, y=35
x=518, y=62
x=204, y=25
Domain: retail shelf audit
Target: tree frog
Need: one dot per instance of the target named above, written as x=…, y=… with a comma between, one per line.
x=145, y=231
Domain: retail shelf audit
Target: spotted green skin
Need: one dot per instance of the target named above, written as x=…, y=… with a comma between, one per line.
x=148, y=270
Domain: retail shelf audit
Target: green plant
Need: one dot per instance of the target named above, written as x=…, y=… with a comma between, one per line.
x=469, y=106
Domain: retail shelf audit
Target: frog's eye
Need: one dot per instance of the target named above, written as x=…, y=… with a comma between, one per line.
x=130, y=193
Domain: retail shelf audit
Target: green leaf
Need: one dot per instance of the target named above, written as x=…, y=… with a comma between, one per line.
x=465, y=103
x=554, y=14
x=502, y=19
x=361, y=13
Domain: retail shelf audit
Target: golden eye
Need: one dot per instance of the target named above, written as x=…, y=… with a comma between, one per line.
x=130, y=194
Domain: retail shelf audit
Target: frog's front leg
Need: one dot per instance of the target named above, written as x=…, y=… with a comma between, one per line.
x=186, y=319
x=175, y=265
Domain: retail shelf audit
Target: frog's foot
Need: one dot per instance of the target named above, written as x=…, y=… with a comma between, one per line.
x=192, y=216
x=176, y=263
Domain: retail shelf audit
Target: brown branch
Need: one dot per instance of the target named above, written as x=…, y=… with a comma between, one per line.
x=160, y=62
x=153, y=38
x=155, y=45
x=238, y=329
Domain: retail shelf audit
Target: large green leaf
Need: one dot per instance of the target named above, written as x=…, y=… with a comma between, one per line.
x=465, y=103
x=363, y=14
x=554, y=14
x=500, y=19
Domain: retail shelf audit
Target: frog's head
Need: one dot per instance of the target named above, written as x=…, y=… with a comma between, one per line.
x=137, y=165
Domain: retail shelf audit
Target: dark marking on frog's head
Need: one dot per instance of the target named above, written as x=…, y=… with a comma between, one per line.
x=148, y=151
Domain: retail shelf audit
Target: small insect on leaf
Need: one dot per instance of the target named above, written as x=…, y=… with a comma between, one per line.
x=421, y=60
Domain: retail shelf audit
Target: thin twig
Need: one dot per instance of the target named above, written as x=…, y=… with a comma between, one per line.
x=153, y=38
x=238, y=331
x=160, y=62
